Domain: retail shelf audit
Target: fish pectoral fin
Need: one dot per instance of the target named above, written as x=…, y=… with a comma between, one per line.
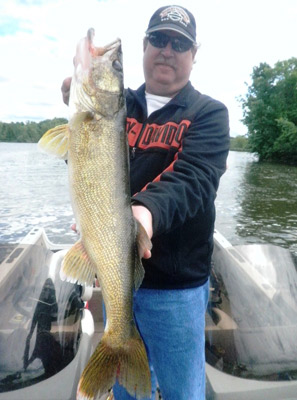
x=81, y=117
x=143, y=243
x=56, y=141
x=77, y=265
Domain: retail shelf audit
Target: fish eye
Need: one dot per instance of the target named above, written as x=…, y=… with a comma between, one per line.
x=117, y=65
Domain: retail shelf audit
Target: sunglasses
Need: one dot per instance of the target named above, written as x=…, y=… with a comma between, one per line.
x=178, y=43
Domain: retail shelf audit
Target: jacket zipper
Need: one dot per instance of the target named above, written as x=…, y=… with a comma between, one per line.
x=132, y=153
x=134, y=148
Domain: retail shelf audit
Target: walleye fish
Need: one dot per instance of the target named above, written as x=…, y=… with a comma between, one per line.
x=95, y=144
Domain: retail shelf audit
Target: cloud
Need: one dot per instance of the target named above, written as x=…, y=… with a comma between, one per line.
x=38, y=40
x=9, y=26
x=23, y=118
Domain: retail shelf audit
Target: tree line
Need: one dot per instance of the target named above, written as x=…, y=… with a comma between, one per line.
x=29, y=132
x=239, y=143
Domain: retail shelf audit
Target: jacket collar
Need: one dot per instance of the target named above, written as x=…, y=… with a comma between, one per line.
x=181, y=99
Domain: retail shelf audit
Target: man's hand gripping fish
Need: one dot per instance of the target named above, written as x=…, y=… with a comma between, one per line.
x=95, y=145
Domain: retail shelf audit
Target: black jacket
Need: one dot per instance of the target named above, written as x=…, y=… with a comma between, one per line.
x=177, y=156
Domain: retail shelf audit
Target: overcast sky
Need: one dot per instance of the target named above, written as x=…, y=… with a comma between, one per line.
x=38, y=40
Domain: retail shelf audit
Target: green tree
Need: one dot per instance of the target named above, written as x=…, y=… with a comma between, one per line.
x=270, y=111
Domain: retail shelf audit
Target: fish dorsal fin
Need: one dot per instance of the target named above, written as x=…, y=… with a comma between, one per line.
x=78, y=266
x=143, y=242
x=55, y=141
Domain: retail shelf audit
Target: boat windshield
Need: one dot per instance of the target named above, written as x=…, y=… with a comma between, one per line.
x=251, y=323
x=40, y=316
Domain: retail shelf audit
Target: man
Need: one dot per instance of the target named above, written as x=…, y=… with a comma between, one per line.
x=179, y=142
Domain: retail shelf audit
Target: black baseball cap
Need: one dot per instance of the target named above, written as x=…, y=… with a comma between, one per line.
x=175, y=18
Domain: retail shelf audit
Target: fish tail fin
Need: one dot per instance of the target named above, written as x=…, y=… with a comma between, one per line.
x=128, y=363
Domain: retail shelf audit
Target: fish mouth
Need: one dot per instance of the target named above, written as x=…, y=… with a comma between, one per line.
x=86, y=51
x=115, y=49
x=100, y=51
x=113, y=45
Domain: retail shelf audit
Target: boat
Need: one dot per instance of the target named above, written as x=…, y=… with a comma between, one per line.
x=49, y=327
x=45, y=329
x=251, y=323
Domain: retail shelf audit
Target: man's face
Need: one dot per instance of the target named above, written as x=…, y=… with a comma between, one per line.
x=166, y=71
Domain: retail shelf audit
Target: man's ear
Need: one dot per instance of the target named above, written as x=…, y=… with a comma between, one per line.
x=145, y=42
x=194, y=51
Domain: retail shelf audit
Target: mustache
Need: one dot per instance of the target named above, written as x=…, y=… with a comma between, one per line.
x=165, y=61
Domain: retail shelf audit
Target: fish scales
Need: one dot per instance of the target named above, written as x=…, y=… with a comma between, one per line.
x=93, y=186
x=97, y=155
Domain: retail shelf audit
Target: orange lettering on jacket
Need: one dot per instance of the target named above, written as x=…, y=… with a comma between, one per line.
x=146, y=136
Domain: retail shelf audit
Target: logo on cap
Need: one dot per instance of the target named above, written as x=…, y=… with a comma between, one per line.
x=175, y=14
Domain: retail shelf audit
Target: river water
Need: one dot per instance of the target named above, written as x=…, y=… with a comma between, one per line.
x=256, y=203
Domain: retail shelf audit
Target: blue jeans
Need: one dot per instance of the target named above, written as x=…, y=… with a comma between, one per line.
x=172, y=323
